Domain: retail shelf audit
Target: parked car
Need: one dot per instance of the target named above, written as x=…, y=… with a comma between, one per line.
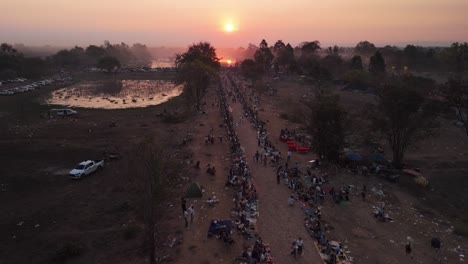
x=63, y=112
x=86, y=168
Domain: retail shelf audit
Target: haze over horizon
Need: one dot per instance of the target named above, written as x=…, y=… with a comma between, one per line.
x=233, y=23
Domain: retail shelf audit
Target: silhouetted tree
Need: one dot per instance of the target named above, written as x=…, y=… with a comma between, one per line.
x=356, y=63
x=108, y=63
x=325, y=123
x=263, y=56
x=148, y=178
x=251, y=70
x=377, y=63
x=195, y=69
x=401, y=114
x=455, y=92
x=365, y=48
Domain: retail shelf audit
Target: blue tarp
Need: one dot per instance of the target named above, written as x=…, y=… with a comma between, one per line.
x=353, y=156
x=376, y=157
x=217, y=225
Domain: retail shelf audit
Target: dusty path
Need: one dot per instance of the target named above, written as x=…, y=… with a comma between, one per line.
x=278, y=223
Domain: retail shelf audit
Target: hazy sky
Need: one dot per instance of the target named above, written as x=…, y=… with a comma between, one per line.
x=180, y=22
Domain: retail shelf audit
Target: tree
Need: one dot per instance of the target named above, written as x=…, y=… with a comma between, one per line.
x=365, y=48
x=251, y=70
x=457, y=56
x=325, y=123
x=263, y=56
x=109, y=63
x=149, y=181
x=455, y=93
x=95, y=52
x=195, y=68
x=356, y=63
x=309, y=48
x=401, y=115
x=377, y=63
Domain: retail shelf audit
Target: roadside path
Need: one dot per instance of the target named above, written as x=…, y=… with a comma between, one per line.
x=278, y=223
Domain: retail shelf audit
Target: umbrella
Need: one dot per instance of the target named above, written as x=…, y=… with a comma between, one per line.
x=353, y=156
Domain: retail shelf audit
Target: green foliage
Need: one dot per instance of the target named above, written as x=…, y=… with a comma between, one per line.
x=196, y=68
x=356, y=63
x=263, y=56
x=402, y=116
x=365, y=48
x=68, y=251
x=457, y=57
x=377, y=63
x=325, y=122
x=357, y=80
x=251, y=70
x=309, y=48
x=108, y=63
x=13, y=64
x=455, y=93
x=131, y=231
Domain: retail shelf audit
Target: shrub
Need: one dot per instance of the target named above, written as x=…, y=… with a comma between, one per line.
x=69, y=250
x=131, y=231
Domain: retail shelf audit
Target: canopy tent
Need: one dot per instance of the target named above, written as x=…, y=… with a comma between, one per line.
x=194, y=190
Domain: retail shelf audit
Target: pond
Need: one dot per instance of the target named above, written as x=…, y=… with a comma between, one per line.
x=115, y=94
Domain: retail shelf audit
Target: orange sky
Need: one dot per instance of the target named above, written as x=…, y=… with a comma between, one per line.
x=180, y=22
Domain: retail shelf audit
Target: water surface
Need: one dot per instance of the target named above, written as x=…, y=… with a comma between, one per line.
x=115, y=94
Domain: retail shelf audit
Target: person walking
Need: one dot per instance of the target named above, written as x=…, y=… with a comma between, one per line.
x=289, y=155
x=186, y=215
x=293, y=249
x=184, y=204
x=191, y=211
x=363, y=193
x=300, y=246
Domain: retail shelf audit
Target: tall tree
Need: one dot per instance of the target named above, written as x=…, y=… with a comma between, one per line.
x=149, y=168
x=251, y=70
x=401, y=115
x=457, y=56
x=325, y=123
x=263, y=56
x=365, y=48
x=195, y=69
x=108, y=63
x=377, y=63
x=356, y=63
x=455, y=93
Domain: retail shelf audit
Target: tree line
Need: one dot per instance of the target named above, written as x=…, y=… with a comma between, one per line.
x=107, y=56
x=406, y=106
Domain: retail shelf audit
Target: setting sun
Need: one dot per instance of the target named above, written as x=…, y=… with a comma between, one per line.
x=229, y=27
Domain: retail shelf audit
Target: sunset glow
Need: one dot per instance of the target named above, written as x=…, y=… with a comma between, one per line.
x=152, y=22
x=229, y=28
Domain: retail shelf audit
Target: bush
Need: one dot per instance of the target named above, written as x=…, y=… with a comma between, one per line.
x=131, y=231
x=69, y=250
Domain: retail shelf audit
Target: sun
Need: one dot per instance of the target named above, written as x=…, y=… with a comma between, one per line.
x=229, y=27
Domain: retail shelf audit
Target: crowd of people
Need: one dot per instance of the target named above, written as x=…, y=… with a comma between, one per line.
x=307, y=187
x=245, y=210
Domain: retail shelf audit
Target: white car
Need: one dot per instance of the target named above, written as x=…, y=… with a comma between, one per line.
x=63, y=112
x=86, y=168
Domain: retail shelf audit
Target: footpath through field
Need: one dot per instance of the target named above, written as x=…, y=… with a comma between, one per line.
x=279, y=224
